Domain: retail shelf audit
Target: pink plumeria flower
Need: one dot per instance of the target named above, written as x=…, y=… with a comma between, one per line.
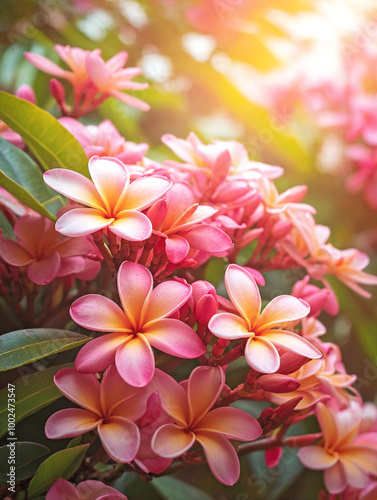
x=45, y=253
x=195, y=421
x=347, y=457
x=265, y=332
x=113, y=202
x=111, y=407
x=10, y=202
x=111, y=78
x=142, y=322
x=86, y=490
x=104, y=140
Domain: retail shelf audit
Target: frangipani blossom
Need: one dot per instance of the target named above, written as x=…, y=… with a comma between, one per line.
x=347, y=457
x=191, y=408
x=111, y=407
x=86, y=490
x=113, y=202
x=46, y=253
x=265, y=332
x=142, y=322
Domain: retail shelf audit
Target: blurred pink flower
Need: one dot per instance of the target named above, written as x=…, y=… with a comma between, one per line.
x=114, y=202
x=190, y=407
x=265, y=332
x=142, y=322
x=347, y=457
x=46, y=253
x=86, y=490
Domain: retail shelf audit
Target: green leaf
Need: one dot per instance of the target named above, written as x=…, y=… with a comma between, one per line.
x=28, y=457
x=49, y=141
x=32, y=392
x=25, y=346
x=63, y=463
x=170, y=487
x=22, y=177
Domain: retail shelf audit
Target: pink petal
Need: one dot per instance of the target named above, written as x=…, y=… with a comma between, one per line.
x=121, y=439
x=14, y=254
x=80, y=388
x=234, y=423
x=131, y=226
x=328, y=425
x=143, y=192
x=30, y=231
x=221, y=457
x=261, y=355
x=201, y=213
x=280, y=311
x=100, y=75
x=110, y=178
x=204, y=387
x=335, y=478
x=44, y=271
x=71, y=422
x=46, y=65
x=172, y=441
x=118, y=61
x=166, y=299
x=182, y=148
x=82, y=222
x=290, y=341
x=228, y=326
x=273, y=456
x=208, y=238
x=99, y=353
x=244, y=293
x=130, y=100
x=74, y=186
x=316, y=458
x=92, y=489
x=135, y=361
x=62, y=489
x=135, y=284
x=356, y=476
x=364, y=457
x=176, y=248
x=174, y=337
x=173, y=396
x=98, y=313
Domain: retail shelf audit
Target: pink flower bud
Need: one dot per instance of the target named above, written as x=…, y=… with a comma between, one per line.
x=272, y=457
x=26, y=92
x=57, y=91
x=278, y=383
x=281, y=229
x=286, y=409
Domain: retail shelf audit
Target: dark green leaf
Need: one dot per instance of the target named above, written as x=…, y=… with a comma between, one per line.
x=32, y=393
x=28, y=457
x=63, y=464
x=49, y=141
x=25, y=346
x=170, y=487
x=21, y=176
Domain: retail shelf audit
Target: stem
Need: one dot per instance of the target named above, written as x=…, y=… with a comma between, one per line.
x=105, y=252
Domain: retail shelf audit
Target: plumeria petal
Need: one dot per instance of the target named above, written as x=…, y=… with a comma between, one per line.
x=44, y=271
x=144, y=191
x=221, y=457
x=46, y=65
x=62, y=489
x=99, y=353
x=176, y=248
x=171, y=441
x=327, y=424
x=201, y=401
x=13, y=253
x=234, y=423
x=110, y=178
x=364, y=457
x=166, y=299
x=356, y=476
x=98, y=313
x=261, y=355
x=121, y=439
x=290, y=341
x=209, y=239
x=335, y=478
x=228, y=326
x=316, y=458
x=70, y=422
x=244, y=293
x=82, y=222
x=82, y=389
x=135, y=284
x=115, y=391
x=131, y=226
x=282, y=310
x=135, y=361
x=174, y=337
x=74, y=186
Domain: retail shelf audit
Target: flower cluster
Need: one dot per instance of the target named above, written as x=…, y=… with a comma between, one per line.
x=151, y=228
